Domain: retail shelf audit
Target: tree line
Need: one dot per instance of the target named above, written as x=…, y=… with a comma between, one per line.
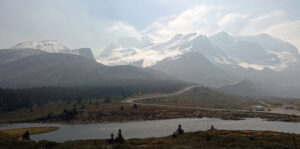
x=14, y=99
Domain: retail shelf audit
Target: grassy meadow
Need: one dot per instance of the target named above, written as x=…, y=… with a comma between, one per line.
x=100, y=110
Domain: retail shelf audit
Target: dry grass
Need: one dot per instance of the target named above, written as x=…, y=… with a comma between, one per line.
x=32, y=130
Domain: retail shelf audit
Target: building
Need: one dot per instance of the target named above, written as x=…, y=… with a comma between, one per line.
x=258, y=108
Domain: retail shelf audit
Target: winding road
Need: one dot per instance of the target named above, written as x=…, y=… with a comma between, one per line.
x=132, y=100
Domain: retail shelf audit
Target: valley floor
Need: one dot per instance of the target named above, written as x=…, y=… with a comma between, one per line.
x=155, y=107
x=187, y=103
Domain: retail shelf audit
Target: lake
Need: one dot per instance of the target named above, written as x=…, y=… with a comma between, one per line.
x=155, y=128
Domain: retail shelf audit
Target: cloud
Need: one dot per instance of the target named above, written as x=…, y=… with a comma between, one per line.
x=60, y=21
x=258, y=24
x=96, y=24
x=68, y=22
x=233, y=22
x=197, y=19
x=289, y=31
x=124, y=30
x=209, y=20
x=231, y=18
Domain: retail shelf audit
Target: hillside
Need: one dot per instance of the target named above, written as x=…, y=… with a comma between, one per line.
x=202, y=97
x=244, y=88
x=194, y=67
x=62, y=69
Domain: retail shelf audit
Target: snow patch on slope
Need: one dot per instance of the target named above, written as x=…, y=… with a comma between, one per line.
x=51, y=46
x=286, y=58
x=46, y=45
x=251, y=52
x=147, y=56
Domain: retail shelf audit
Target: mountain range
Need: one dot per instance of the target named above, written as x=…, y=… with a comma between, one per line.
x=258, y=65
x=215, y=61
x=36, y=64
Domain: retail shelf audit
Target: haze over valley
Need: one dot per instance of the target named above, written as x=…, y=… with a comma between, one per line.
x=216, y=61
x=108, y=74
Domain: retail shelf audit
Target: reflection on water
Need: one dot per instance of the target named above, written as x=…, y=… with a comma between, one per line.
x=156, y=128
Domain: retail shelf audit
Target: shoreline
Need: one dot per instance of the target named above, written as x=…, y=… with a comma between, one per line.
x=216, y=138
x=153, y=111
x=145, y=120
x=221, y=114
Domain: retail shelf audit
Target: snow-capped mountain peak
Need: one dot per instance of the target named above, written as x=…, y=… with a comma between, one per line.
x=251, y=52
x=46, y=45
x=50, y=46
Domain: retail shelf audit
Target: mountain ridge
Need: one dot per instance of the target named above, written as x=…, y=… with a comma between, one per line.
x=194, y=67
x=52, y=46
x=63, y=69
x=217, y=60
x=244, y=88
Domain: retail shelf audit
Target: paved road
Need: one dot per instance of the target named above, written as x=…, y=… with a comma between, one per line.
x=132, y=99
x=280, y=110
x=268, y=105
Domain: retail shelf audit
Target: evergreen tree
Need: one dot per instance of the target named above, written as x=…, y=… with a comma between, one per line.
x=174, y=135
x=26, y=136
x=180, y=130
x=120, y=138
x=111, y=140
x=294, y=141
x=135, y=106
x=212, y=127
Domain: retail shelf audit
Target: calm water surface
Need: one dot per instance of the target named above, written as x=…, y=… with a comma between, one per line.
x=156, y=128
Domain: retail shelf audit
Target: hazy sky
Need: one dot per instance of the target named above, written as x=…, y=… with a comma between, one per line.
x=96, y=23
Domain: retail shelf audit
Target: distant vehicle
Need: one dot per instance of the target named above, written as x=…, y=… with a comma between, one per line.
x=288, y=107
